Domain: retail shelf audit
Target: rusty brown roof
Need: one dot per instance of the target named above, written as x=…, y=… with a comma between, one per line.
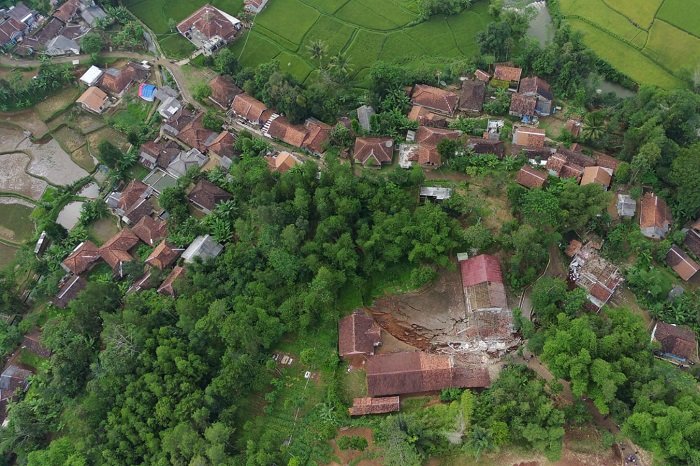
x=535, y=85
x=425, y=117
x=529, y=137
x=654, y=212
x=130, y=195
x=282, y=129
x=82, y=257
x=681, y=263
x=210, y=22
x=223, y=145
x=93, y=98
x=69, y=291
x=281, y=162
x=223, y=91
x=531, y=177
x=249, y=108
x=507, y=73
x=692, y=241
x=435, y=98
x=195, y=135
x=167, y=287
x=521, y=104
x=163, y=255
x=419, y=372
x=598, y=175
x=677, y=340
x=380, y=149
x=116, y=250
x=606, y=161
x=67, y=11
x=149, y=230
x=317, y=134
x=472, y=97
x=207, y=195
x=486, y=146
x=369, y=405
x=358, y=334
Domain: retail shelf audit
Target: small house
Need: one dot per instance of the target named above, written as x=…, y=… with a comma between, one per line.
x=654, y=217
x=597, y=175
x=249, y=109
x=67, y=11
x=185, y=161
x=541, y=91
x=82, y=258
x=150, y=230
x=428, y=138
x=68, y=291
x=425, y=117
x=482, y=76
x=158, y=154
x=195, y=135
x=573, y=127
x=597, y=276
x=472, y=96
x=681, y=263
x=531, y=177
x=486, y=146
x=678, y=343
x=373, y=151
x=358, y=337
x=508, y=74
x=255, y=6
x=626, y=206
x=164, y=255
x=203, y=247
x=435, y=99
x=369, y=405
x=93, y=100
x=529, y=137
x=206, y=196
x=168, y=286
x=117, y=251
x=434, y=193
x=223, y=91
x=92, y=76
x=522, y=106
x=692, y=238
x=61, y=45
x=282, y=162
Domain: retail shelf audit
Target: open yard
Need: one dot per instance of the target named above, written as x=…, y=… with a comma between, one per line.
x=7, y=253
x=366, y=30
x=652, y=42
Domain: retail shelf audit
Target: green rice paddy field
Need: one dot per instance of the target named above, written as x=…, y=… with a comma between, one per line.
x=365, y=30
x=651, y=41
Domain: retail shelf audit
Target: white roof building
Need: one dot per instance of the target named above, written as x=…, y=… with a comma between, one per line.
x=91, y=76
x=203, y=247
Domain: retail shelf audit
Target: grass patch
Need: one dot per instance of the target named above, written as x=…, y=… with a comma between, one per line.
x=625, y=58
x=132, y=115
x=69, y=138
x=326, y=6
x=673, y=47
x=102, y=230
x=291, y=19
x=7, y=255
x=641, y=13
x=365, y=49
x=109, y=134
x=254, y=49
x=381, y=16
x=83, y=159
x=175, y=46
x=354, y=385
x=294, y=65
x=606, y=18
x=676, y=12
x=335, y=34
x=15, y=222
x=32, y=360
x=57, y=103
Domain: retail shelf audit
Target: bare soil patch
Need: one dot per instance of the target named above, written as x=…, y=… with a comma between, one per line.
x=14, y=179
x=355, y=457
x=27, y=120
x=50, y=161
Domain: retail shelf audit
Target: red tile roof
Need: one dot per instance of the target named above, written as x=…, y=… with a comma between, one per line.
x=480, y=269
x=69, y=291
x=369, y=405
x=379, y=149
x=418, y=372
x=358, y=335
x=82, y=257
x=195, y=135
x=654, y=212
x=529, y=137
x=482, y=76
x=317, y=135
x=116, y=251
x=537, y=86
x=281, y=162
x=223, y=145
x=677, y=340
x=507, y=73
x=598, y=175
x=167, y=287
x=473, y=94
x=67, y=11
x=435, y=98
x=681, y=263
x=282, y=129
x=223, y=91
x=163, y=255
x=531, y=177
x=428, y=139
x=130, y=195
x=425, y=117
x=210, y=22
x=249, y=108
x=149, y=230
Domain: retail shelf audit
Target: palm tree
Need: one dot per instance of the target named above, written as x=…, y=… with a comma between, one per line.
x=594, y=126
x=317, y=49
x=340, y=65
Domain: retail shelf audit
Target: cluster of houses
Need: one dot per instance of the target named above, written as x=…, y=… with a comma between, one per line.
x=135, y=206
x=26, y=32
x=106, y=87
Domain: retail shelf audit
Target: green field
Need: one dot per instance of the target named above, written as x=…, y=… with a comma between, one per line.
x=365, y=30
x=15, y=224
x=651, y=41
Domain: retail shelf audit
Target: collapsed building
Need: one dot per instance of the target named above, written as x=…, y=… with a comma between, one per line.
x=598, y=277
x=489, y=321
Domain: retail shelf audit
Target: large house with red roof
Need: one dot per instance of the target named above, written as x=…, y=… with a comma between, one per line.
x=210, y=28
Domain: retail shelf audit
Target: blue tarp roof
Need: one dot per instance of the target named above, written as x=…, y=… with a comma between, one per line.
x=147, y=92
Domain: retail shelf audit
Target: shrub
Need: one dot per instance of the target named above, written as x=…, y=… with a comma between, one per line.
x=352, y=442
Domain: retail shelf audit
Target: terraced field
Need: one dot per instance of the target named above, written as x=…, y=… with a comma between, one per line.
x=365, y=30
x=651, y=41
